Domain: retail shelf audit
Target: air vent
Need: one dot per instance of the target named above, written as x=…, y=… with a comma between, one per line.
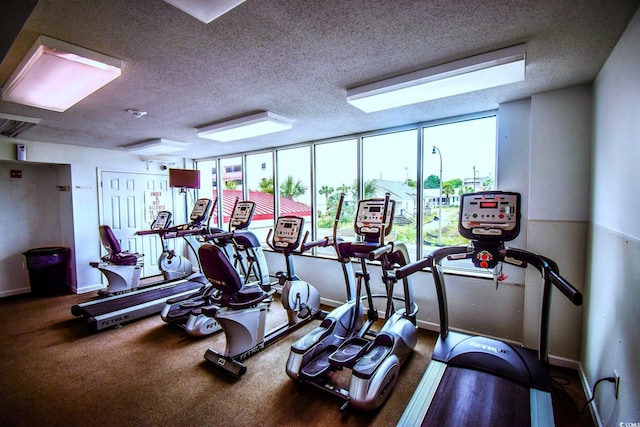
x=11, y=126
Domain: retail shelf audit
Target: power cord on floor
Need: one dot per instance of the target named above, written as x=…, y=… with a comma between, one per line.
x=593, y=393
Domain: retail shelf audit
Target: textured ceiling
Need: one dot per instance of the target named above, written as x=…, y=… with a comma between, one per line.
x=295, y=58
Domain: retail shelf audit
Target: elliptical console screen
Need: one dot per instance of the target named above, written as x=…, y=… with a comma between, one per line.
x=242, y=214
x=370, y=215
x=287, y=232
x=200, y=210
x=490, y=216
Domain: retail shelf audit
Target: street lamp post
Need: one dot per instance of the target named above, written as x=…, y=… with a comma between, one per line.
x=436, y=149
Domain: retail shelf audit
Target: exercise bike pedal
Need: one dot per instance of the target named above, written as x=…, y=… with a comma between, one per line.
x=304, y=312
x=319, y=365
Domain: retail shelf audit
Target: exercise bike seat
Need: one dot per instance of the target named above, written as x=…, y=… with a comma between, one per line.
x=115, y=253
x=224, y=277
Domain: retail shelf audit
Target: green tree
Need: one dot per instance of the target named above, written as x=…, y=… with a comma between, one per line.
x=326, y=192
x=455, y=183
x=448, y=189
x=266, y=185
x=369, y=188
x=432, y=181
x=291, y=189
x=231, y=184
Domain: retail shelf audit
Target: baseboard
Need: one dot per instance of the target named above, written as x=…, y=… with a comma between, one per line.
x=90, y=288
x=12, y=292
x=593, y=409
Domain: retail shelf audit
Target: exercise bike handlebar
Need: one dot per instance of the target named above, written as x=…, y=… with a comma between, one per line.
x=324, y=242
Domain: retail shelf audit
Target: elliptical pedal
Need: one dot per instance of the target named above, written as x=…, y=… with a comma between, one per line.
x=319, y=365
x=376, y=353
x=348, y=353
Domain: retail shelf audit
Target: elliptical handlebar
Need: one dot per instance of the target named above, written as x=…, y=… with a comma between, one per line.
x=409, y=269
x=377, y=253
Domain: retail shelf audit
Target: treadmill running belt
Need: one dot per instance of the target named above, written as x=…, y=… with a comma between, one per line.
x=133, y=299
x=471, y=398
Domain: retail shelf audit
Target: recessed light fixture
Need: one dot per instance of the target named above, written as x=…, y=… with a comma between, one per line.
x=257, y=124
x=205, y=10
x=56, y=75
x=478, y=72
x=155, y=147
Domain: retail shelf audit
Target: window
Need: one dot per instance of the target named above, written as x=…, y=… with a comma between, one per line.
x=336, y=172
x=459, y=158
x=294, y=183
x=389, y=165
x=259, y=183
x=425, y=168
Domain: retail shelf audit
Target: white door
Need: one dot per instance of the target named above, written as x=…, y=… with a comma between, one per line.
x=129, y=202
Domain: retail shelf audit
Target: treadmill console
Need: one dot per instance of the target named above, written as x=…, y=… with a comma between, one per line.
x=490, y=216
x=287, y=233
x=200, y=211
x=371, y=215
x=242, y=214
x=162, y=221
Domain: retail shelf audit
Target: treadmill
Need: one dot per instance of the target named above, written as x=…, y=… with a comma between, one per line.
x=477, y=380
x=113, y=311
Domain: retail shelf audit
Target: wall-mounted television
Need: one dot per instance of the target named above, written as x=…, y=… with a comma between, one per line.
x=184, y=178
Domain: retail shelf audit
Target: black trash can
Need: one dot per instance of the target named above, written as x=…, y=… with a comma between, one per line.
x=48, y=270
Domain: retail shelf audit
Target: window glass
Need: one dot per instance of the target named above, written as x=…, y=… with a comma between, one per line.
x=232, y=179
x=459, y=158
x=259, y=181
x=294, y=183
x=390, y=166
x=336, y=172
x=208, y=185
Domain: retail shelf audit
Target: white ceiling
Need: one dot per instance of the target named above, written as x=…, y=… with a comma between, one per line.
x=295, y=58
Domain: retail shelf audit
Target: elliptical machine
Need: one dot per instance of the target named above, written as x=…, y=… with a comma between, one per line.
x=239, y=245
x=344, y=339
x=241, y=309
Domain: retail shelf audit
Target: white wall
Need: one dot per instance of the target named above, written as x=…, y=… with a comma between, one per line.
x=78, y=216
x=612, y=313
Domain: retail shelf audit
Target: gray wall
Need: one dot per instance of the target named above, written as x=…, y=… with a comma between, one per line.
x=612, y=312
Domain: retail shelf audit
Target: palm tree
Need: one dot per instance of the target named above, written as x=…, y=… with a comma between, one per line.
x=266, y=185
x=326, y=191
x=291, y=190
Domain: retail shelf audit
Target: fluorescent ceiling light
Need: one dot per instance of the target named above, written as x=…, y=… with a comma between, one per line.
x=257, y=124
x=205, y=10
x=55, y=75
x=483, y=71
x=156, y=146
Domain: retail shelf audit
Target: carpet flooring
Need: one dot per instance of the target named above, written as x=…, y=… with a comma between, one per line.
x=54, y=371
